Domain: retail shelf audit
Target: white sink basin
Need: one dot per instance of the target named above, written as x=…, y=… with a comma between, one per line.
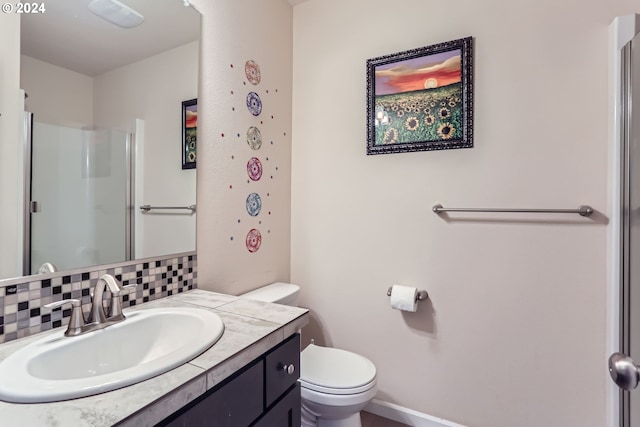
x=147, y=343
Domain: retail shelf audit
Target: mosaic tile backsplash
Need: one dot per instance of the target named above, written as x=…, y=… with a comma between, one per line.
x=21, y=312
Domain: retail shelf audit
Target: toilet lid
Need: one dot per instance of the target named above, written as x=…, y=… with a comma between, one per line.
x=332, y=368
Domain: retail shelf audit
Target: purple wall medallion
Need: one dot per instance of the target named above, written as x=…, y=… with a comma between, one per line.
x=254, y=169
x=254, y=104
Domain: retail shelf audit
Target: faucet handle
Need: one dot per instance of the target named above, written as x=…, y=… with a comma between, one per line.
x=127, y=289
x=76, y=322
x=115, y=311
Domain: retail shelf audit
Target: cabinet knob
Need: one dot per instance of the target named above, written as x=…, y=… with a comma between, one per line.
x=289, y=369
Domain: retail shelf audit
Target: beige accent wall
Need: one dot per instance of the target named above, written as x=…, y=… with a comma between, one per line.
x=513, y=333
x=234, y=32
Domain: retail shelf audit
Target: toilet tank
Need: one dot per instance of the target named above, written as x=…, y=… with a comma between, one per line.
x=279, y=293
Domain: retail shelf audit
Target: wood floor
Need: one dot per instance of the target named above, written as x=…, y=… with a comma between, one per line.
x=370, y=420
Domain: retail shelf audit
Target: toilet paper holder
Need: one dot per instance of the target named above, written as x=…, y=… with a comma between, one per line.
x=420, y=296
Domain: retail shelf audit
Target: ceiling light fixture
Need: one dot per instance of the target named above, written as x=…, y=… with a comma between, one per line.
x=116, y=13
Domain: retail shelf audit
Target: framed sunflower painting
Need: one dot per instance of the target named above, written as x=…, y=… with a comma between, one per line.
x=189, y=131
x=421, y=99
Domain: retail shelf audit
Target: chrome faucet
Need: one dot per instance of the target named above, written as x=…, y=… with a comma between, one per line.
x=97, y=319
x=97, y=314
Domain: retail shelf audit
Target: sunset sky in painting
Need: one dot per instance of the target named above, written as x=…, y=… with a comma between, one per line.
x=191, y=117
x=427, y=72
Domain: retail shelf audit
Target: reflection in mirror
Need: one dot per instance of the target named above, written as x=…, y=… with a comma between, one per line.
x=105, y=134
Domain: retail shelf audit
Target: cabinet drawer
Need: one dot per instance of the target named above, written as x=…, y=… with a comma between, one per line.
x=235, y=404
x=277, y=378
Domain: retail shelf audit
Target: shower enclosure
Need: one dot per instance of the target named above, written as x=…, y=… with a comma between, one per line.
x=78, y=196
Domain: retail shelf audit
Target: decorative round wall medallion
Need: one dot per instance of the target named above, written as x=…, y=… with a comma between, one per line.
x=254, y=169
x=254, y=240
x=254, y=204
x=252, y=71
x=254, y=104
x=254, y=138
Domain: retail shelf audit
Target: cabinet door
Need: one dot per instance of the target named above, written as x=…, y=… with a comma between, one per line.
x=282, y=368
x=286, y=413
x=235, y=404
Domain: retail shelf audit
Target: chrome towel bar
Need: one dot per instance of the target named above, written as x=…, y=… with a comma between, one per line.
x=583, y=210
x=147, y=208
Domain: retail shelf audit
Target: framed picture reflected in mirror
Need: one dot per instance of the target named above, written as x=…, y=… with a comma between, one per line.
x=189, y=133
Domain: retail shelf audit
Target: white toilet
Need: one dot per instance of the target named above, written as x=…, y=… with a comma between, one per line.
x=335, y=384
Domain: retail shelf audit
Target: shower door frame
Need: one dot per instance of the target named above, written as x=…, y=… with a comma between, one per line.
x=26, y=205
x=622, y=30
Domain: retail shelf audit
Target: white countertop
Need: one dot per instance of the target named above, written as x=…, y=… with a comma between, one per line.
x=251, y=328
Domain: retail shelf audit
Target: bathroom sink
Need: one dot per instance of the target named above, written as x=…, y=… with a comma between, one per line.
x=147, y=343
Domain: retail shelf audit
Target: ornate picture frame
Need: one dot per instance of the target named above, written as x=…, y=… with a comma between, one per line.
x=421, y=99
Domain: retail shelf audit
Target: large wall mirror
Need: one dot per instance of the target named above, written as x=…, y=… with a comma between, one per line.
x=105, y=134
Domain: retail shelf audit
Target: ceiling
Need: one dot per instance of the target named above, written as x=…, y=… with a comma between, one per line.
x=70, y=36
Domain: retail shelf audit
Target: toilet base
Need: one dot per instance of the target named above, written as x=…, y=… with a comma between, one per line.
x=352, y=421
x=311, y=420
x=345, y=412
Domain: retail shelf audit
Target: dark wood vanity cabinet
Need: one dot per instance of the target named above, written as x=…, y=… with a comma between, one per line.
x=285, y=413
x=265, y=393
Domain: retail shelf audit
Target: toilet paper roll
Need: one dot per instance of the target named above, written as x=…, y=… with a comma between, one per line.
x=404, y=298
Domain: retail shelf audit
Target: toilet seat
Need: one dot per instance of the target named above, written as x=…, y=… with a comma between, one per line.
x=338, y=391
x=334, y=371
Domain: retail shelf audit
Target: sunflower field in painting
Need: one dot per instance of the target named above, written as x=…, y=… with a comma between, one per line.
x=427, y=115
x=190, y=143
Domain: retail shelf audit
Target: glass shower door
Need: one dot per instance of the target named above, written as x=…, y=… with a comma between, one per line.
x=79, y=197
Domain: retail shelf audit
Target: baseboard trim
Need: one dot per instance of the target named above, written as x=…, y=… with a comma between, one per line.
x=406, y=416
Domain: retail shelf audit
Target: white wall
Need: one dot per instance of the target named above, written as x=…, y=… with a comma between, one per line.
x=153, y=90
x=56, y=95
x=514, y=331
x=234, y=32
x=10, y=134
